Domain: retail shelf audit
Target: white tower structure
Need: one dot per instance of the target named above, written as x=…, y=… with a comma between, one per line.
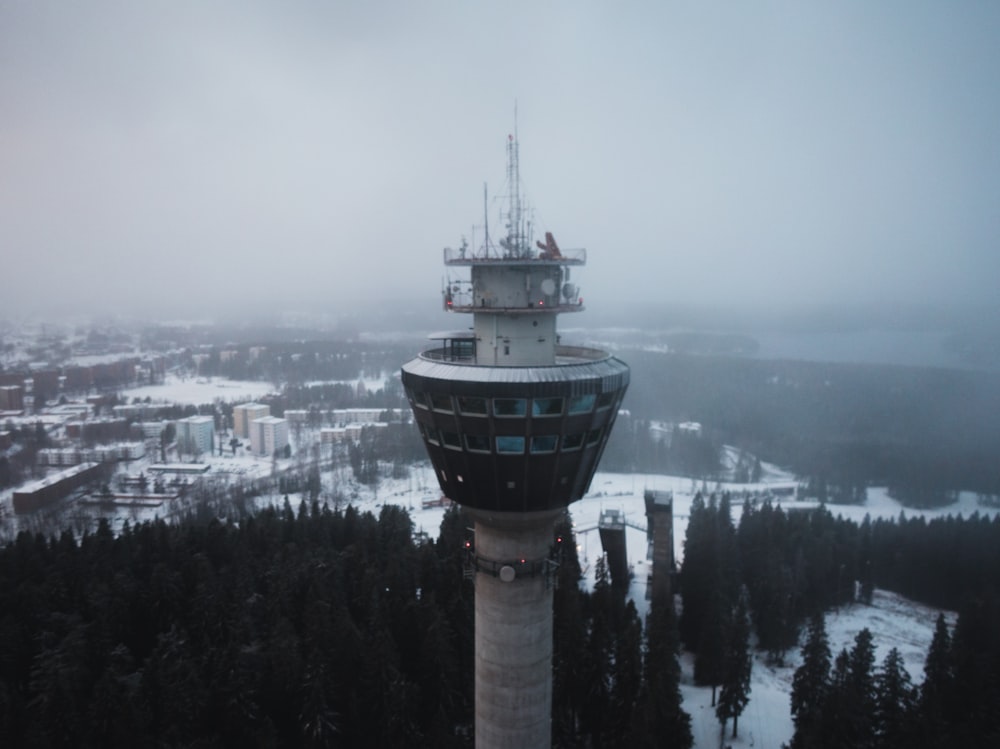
x=514, y=424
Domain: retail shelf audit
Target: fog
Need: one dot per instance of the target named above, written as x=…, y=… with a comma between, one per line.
x=172, y=159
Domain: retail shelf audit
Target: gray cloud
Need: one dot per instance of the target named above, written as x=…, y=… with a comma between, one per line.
x=177, y=158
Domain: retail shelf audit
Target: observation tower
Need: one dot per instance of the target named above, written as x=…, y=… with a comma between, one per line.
x=514, y=423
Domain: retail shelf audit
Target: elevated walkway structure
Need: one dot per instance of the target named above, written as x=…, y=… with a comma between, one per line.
x=660, y=537
x=611, y=528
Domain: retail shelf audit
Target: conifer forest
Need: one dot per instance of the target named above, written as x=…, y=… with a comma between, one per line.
x=310, y=627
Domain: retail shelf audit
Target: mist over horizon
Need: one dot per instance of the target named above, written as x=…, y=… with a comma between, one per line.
x=177, y=161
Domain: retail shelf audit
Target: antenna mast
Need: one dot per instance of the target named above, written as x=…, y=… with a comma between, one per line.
x=486, y=224
x=517, y=240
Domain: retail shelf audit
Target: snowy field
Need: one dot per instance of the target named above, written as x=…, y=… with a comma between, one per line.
x=195, y=391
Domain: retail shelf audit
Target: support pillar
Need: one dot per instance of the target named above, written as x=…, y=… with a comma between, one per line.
x=514, y=630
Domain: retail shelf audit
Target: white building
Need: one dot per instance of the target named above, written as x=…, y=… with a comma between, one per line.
x=195, y=434
x=150, y=429
x=244, y=414
x=268, y=435
x=343, y=416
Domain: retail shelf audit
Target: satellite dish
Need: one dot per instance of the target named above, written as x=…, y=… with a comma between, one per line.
x=507, y=573
x=548, y=287
x=569, y=291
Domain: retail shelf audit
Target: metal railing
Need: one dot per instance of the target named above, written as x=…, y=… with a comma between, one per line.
x=564, y=355
x=452, y=256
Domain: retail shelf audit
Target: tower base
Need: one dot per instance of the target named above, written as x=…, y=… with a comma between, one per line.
x=514, y=629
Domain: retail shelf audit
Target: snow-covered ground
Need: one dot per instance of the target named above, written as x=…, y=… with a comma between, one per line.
x=766, y=722
x=198, y=390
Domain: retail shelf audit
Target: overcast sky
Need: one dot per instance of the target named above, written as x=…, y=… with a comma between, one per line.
x=183, y=158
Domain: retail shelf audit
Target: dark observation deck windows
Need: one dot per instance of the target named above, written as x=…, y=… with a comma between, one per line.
x=477, y=443
x=470, y=406
x=430, y=433
x=450, y=439
x=441, y=402
x=604, y=400
x=510, y=445
x=545, y=443
x=546, y=407
x=594, y=437
x=573, y=442
x=510, y=407
x=581, y=404
x=419, y=399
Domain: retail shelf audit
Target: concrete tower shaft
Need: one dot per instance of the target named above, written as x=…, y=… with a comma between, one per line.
x=513, y=630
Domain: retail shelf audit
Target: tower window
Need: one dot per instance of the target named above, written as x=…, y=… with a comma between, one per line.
x=472, y=406
x=509, y=406
x=579, y=404
x=479, y=443
x=605, y=399
x=430, y=433
x=572, y=442
x=441, y=402
x=450, y=439
x=594, y=436
x=510, y=445
x=546, y=407
x=545, y=443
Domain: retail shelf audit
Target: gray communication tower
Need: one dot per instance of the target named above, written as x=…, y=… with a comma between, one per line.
x=514, y=424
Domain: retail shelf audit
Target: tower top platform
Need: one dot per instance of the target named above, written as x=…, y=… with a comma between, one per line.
x=463, y=257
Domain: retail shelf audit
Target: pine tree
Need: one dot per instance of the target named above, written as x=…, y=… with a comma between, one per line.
x=598, y=657
x=737, y=667
x=862, y=688
x=694, y=578
x=810, y=686
x=849, y=708
x=660, y=719
x=976, y=686
x=865, y=562
x=626, y=677
x=895, y=700
x=934, y=702
x=709, y=661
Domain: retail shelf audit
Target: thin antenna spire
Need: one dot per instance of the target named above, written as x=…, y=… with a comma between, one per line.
x=486, y=224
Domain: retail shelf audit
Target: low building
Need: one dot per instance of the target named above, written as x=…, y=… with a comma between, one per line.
x=137, y=411
x=149, y=429
x=37, y=494
x=181, y=469
x=332, y=435
x=97, y=430
x=71, y=456
x=11, y=398
x=342, y=416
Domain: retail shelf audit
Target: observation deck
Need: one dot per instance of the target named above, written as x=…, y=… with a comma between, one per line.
x=514, y=438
